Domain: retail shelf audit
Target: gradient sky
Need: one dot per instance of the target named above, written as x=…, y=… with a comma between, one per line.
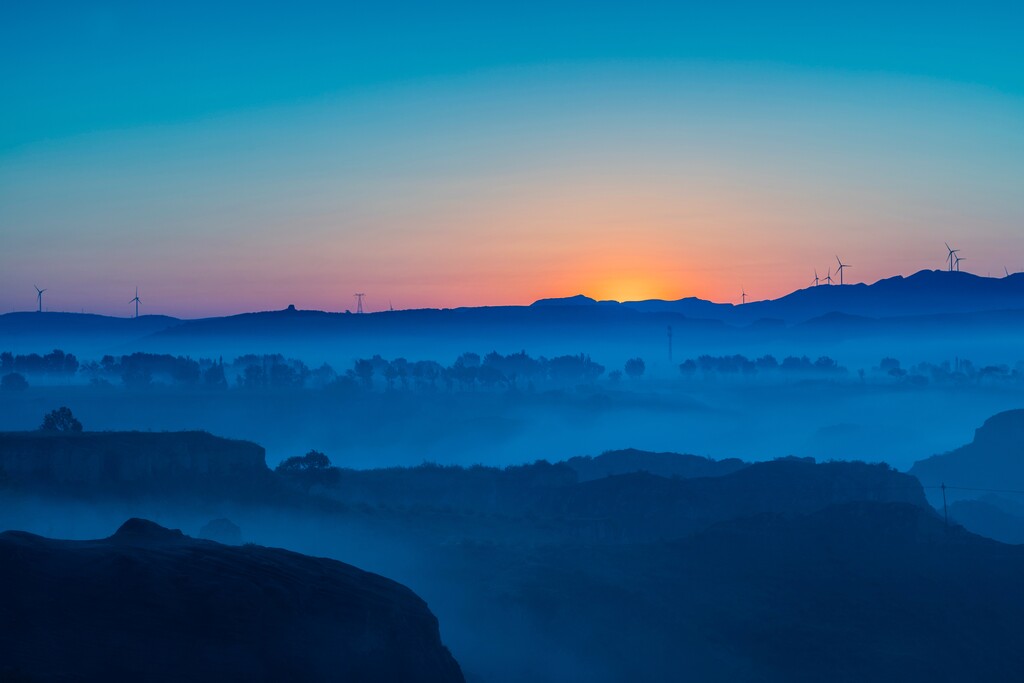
x=246, y=157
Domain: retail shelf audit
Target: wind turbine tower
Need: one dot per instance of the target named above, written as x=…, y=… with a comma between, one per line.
x=951, y=256
x=136, y=301
x=359, y=301
x=815, y=277
x=957, y=260
x=840, y=269
x=744, y=295
x=828, y=277
x=39, y=298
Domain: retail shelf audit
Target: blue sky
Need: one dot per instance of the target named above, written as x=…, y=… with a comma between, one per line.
x=457, y=153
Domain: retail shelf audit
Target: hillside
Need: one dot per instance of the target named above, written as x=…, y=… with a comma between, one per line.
x=661, y=464
x=993, y=460
x=955, y=302
x=134, y=463
x=151, y=604
x=856, y=592
x=94, y=334
x=925, y=293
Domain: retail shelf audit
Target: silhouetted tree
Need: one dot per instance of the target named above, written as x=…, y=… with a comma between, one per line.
x=401, y=369
x=60, y=420
x=426, y=373
x=363, y=371
x=309, y=470
x=888, y=364
x=827, y=364
x=465, y=368
x=574, y=369
x=214, y=376
x=490, y=376
x=310, y=462
x=13, y=381
x=468, y=360
x=635, y=367
x=252, y=377
x=322, y=376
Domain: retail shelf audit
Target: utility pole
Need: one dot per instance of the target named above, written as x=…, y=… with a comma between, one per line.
x=945, y=510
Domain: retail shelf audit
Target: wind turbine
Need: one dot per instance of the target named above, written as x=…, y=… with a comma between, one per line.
x=815, y=277
x=957, y=262
x=136, y=301
x=39, y=298
x=840, y=269
x=828, y=278
x=951, y=255
x=744, y=299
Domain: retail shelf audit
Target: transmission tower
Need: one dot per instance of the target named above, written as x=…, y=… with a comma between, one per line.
x=359, y=301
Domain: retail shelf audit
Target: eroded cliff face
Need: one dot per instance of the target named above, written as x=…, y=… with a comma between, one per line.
x=149, y=603
x=139, y=461
x=995, y=459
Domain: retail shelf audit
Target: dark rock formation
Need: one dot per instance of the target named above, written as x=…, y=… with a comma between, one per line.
x=134, y=462
x=995, y=459
x=149, y=603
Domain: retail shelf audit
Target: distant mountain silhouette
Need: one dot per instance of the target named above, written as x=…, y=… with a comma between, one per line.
x=39, y=332
x=149, y=603
x=936, y=300
x=19, y=323
x=927, y=292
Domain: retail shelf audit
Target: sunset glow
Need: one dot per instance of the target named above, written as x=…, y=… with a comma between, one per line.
x=625, y=175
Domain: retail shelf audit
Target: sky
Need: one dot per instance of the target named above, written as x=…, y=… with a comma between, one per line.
x=230, y=157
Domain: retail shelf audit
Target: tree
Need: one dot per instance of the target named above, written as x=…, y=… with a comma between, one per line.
x=363, y=370
x=60, y=420
x=314, y=461
x=309, y=470
x=14, y=381
x=635, y=367
x=215, y=377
